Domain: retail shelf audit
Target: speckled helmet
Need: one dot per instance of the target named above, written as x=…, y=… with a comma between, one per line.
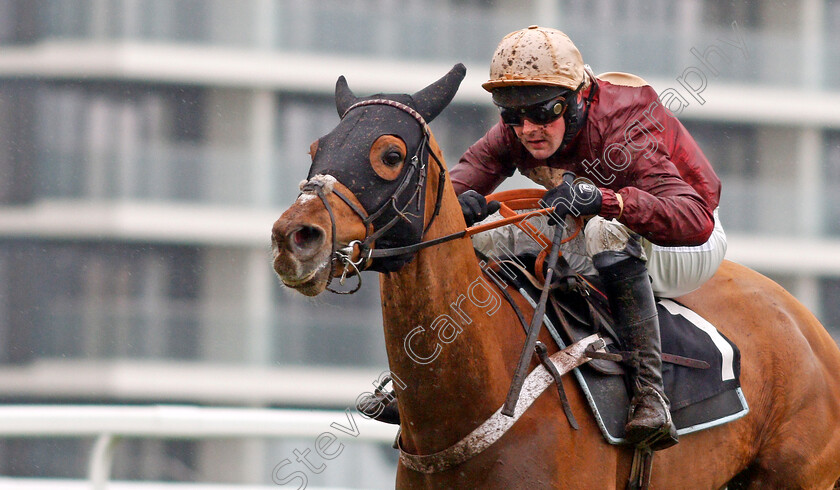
x=537, y=64
x=536, y=56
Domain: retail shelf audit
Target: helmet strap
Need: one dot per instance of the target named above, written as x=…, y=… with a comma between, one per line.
x=577, y=112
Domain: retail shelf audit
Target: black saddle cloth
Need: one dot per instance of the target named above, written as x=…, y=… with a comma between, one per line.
x=700, y=398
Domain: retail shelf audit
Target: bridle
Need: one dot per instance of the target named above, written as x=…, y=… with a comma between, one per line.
x=367, y=254
x=417, y=165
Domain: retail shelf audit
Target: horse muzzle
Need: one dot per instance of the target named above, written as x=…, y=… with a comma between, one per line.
x=301, y=253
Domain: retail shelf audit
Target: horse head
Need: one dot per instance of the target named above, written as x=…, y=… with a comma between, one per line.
x=366, y=189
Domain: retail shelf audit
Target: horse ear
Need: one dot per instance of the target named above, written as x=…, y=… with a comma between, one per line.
x=344, y=97
x=432, y=99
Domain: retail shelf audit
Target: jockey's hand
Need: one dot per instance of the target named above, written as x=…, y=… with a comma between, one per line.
x=475, y=207
x=576, y=198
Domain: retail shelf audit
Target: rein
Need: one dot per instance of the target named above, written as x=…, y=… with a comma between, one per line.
x=417, y=165
x=345, y=254
x=534, y=384
x=366, y=253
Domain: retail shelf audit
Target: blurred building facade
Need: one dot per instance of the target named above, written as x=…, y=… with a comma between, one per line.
x=146, y=147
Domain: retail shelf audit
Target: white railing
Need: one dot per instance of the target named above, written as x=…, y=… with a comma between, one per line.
x=108, y=424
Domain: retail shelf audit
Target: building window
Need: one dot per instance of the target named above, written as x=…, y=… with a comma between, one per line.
x=338, y=330
x=19, y=22
x=731, y=148
x=830, y=316
x=118, y=141
x=832, y=181
x=90, y=300
x=300, y=121
x=831, y=45
x=721, y=14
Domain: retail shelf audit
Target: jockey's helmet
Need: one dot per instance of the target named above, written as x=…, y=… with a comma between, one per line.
x=535, y=65
x=536, y=56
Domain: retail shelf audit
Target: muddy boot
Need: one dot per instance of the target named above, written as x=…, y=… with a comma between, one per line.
x=380, y=405
x=627, y=285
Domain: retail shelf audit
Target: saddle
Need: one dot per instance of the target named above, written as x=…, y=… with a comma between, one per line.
x=701, y=367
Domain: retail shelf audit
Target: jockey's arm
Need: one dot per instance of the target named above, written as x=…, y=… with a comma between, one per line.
x=660, y=206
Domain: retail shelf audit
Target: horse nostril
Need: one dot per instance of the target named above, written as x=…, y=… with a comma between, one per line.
x=306, y=237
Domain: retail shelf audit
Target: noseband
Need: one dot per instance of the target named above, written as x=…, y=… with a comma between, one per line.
x=417, y=165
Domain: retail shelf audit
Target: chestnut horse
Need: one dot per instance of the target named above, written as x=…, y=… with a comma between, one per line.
x=381, y=162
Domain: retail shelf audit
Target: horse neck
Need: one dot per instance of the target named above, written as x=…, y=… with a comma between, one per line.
x=444, y=331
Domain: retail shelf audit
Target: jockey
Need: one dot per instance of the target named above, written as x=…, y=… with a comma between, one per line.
x=649, y=194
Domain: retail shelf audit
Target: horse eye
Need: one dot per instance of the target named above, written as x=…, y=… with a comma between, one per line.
x=392, y=158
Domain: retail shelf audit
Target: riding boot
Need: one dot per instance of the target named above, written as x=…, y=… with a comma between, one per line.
x=633, y=307
x=380, y=405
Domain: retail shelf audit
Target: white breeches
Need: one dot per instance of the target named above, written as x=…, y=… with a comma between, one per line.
x=674, y=271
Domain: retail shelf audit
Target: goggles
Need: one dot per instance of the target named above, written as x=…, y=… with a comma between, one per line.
x=540, y=114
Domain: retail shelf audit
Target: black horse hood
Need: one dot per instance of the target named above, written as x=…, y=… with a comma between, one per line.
x=344, y=153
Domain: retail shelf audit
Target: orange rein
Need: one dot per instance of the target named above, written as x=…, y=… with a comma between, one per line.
x=510, y=202
x=515, y=200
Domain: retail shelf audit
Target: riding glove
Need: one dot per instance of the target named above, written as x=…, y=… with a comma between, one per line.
x=475, y=207
x=577, y=198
